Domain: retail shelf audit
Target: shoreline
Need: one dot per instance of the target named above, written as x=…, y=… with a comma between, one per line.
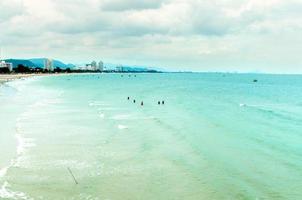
x=11, y=77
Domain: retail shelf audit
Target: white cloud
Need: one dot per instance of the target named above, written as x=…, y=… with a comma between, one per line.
x=9, y=9
x=124, y=5
x=197, y=34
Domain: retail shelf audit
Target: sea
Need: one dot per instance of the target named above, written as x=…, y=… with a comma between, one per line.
x=187, y=136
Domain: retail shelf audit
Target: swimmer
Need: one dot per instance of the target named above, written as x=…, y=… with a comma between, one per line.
x=163, y=102
x=128, y=98
x=134, y=101
x=142, y=103
x=158, y=102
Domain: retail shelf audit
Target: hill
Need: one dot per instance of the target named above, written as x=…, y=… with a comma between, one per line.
x=24, y=62
x=56, y=63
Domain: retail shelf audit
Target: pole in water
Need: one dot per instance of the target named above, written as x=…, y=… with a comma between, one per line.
x=75, y=180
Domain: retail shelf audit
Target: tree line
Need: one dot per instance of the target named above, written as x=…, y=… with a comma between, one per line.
x=29, y=70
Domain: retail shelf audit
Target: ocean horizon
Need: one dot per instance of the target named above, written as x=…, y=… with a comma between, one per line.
x=152, y=136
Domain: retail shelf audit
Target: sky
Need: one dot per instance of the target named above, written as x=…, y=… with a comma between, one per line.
x=187, y=35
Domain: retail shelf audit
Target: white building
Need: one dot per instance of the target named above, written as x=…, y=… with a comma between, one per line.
x=48, y=64
x=4, y=64
x=101, y=66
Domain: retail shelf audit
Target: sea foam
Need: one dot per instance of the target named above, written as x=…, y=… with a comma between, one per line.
x=9, y=194
x=121, y=127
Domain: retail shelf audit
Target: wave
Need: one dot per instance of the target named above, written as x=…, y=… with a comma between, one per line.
x=23, y=144
x=121, y=127
x=6, y=193
x=274, y=112
x=45, y=103
x=3, y=171
x=19, y=84
x=242, y=105
x=98, y=103
x=121, y=117
x=108, y=108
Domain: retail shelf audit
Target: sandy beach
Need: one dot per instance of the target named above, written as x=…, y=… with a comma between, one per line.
x=10, y=77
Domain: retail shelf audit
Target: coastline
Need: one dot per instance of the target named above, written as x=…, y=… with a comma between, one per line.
x=10, y=77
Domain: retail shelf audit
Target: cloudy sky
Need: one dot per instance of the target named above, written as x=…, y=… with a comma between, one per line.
x=199, y=35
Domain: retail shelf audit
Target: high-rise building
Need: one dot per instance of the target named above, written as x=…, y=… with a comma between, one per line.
x=101, y=66
x=48, y=64
x=94, y=66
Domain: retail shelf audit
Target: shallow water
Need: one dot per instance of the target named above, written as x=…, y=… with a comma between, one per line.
x=218, y=136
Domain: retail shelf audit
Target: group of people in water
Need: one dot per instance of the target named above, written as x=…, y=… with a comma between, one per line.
x=128, y=75
x=142, y=102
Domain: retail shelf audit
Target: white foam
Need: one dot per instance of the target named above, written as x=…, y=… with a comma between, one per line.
x=121, y=117
x=108, y=108
x=121, y=127
x=102, y=115
x=3, y=171
x=24, y=143
x=98, y=103
x=45, y=103
x=242, y=105
x=9, y=194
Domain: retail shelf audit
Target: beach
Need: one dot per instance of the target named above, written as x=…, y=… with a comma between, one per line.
x=10, y=77
x=218, y=136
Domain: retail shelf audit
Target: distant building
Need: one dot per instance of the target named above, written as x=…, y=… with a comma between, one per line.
x=101, y=66
x=48, y=64
x=4, y=64
x=120, y=68
x=94, y=66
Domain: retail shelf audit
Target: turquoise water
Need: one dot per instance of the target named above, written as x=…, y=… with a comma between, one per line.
x=218, y=136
